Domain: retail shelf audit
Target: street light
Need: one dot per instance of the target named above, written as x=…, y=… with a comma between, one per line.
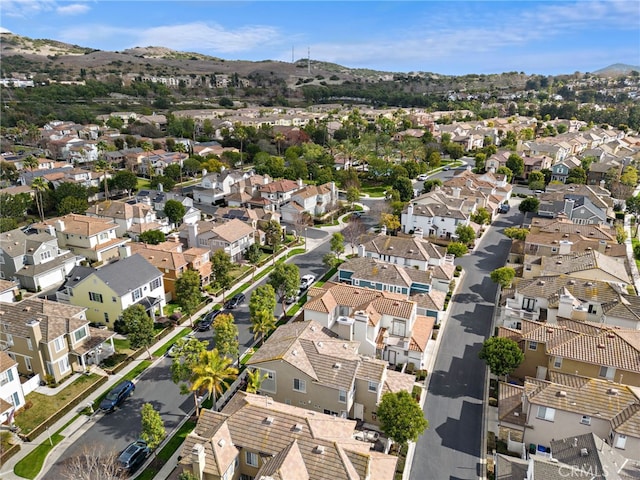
x=305, y=239
x=238, y=350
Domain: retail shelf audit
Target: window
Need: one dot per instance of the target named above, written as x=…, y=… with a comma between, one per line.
x=593, y=309
x=136, y=294
x=585, y=420
x=557, y=362
x=80, y=334
x=6, y=377
x=155, y=283
x=528, y=304
x=15, y=399
x=373, y=386
x=45, y=255
x=95, y=297
x=342, y=396
x=63, y=365
x=299, y=385
x=58, y=343
x=621, y=440
x=399, y=327
x=29, y=344
x=546, y=413
x=533, y=345
x=27, y=363
x=251, y=459
x=106, y=317
x=113, y=299
x=607, y=372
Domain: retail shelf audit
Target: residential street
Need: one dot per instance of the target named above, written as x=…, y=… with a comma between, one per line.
x=450, y=448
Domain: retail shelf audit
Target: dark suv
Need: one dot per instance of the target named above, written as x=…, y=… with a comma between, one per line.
x=205, y=323
x=133, y=456
x=117, y=395
x=235, y=301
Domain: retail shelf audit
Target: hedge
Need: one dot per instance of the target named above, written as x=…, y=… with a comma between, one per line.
x=8, y=453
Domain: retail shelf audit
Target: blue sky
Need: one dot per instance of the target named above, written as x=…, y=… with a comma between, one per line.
x=446, y=37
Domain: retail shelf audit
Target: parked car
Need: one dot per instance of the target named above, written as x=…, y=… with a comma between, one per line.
x=504, y=208
x=99, y=325
x=446, y=168
x=133, y=456
x=306, y=281
x=235, y=301
x=422, y=177
x=207, y=321
x=357, y=214
x=292, y=298
x=117, y=395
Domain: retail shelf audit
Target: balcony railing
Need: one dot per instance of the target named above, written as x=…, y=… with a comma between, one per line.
x=517, y=312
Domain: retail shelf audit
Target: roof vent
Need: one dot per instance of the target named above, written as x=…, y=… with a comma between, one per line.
x=541, y=282
x=601, y=345
x=391, y=247
x=584, y=452
x=613, y=391
x=559, y=262
x=571, y=282
x=345, y=346
x=319, y=449
x=297, y=427
x=395, y=304
x=337, y=365
x=27, y=308
x=320, y=344
x=294, y=352
x=589, y=284
x=221, y=442
x=268, y=420
x=566, y=235
x=356, y=292
x=561, y=393
x=610, y=334
x=549, y=330
x=574, y=443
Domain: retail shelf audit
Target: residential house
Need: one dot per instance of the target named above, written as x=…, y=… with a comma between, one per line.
x=535, y=163
x=158, y=160
x=315, y=200
x=386, y=324
x=34, y=259
x=8, y=291
x=560, y=170
x=158, y=198
x=580, y=209
x=234, y=237
x=51, y=339
x=132, y=219
x=215, y=187
x=11, y=394
x=90, y=237
x=304, y=360
x=412, y=251
x=108, y=291
x=571, y=346
x=256, y=437
x=556, y=151
x=599, y=172
x=437, y=215
x=576, y=405
x=276, y=194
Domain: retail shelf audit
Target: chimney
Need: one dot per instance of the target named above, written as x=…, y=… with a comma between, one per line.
x=51, y=230
x=568, y=206
x=193, y=235
x=300, y=183
x=35, y=334
x=160, y=188
x=602, y=184
x=383, y=230
x=456, y=192
x=361, y=250
x=565, y=247
x=418, y=233
x=124, y=251
x=602, y=246
x=59, y=225
x=198, y=460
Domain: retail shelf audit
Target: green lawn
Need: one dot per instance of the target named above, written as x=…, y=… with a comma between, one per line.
x=31, y=464
x=143, y=183
x=167, y=451
x=374, y=191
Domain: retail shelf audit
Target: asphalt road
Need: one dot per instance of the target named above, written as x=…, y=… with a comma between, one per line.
x=450, y=448
x=113, y=432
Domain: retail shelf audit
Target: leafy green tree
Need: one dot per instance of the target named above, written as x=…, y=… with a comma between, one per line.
x=480, y=162
x=263, y=298
x=7, y=224
x=401, y=417
x=503, y=276
x=68, y=189
x=8, y=172
x=166, y=182
x=481, y=216
x=337, y=244
x=404, y=187
x=173, y=171
x=621, y=234
x=152, y=237
x=191, y=167
x=434, y=160
x=285, y=280
x=529, y=204
x=455, y=150
x=188, y=350
x=577, y=175
x=536, y=180
x=506, y=171
x=139, y=327
x=633, y=204
x=331, y=260
x=188, y=294
x=14, y=206
x=515, y=163
x=353, y=195
x=466, y=234
x=253, y=254
x=125, y=180
x=225, y=335
x=431, y=184
x=262, y=323
x=629, y=176
x=457, y=249
x=392, y=222
x=212, y=373
x=174, y=210
x=273, y=236
x=516, y=233
x=501, y=354
x=153, y=431
x=221, y=266
x=72, y=205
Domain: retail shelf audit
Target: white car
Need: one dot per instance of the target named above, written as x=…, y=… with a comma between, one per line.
x=422, y=177
x=306, y=281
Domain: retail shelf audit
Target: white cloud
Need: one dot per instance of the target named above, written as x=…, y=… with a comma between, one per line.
x=26, y=8
x=73, y=9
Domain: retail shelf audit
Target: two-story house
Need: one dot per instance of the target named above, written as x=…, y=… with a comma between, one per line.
x=51, y=339
x=234, y=237
x=254, y=437
x=305, y=361
x=437, y=215
x=316, y=200
x=11, y=394
x=216, y=186
x=34, y=259
x=386, y=324
x=276, y=194
x=90, y=237
x=414, y=252
x=108, y=291
x=560, y=170
x=132, y=219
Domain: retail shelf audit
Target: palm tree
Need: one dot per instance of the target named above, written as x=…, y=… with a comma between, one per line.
x=212, y=372
x=147, y=147
x=104, y=166
x=254, y=380
x=241, y=134
x=30, y=163
x=279, y=139
x=262, y=323
x=40, y=185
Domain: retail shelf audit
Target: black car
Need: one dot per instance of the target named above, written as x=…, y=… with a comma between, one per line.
x=207, y=321
x=133, y=456
x=117, y=395
x=234, y=301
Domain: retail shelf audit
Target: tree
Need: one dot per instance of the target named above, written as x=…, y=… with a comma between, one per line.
x=401, y=417
x=93, y=463
x=191, y=166
x=8, y=171
x=40, y=185
x=404, y=187
x=516, y=233
x=536, y=180
x=501, y=354
x=153, y=431
x=503, y=276
x=633, y=204
x=262, y=323
x=188, y=294
x=225, y=335
x=188, y=350
x=457, y=249
x=14, y=206
x=255, y=379
x=174, y=210
x=466, y=234
x=506, y=171
x=529, y=204
x=629, y=176
x=139, y=327
x=212, y=373
x=285, y=280
x=166, y=182
x=152, y=237
x=353, y=231
x=273, y=236
x=430, y=184
x=7, y=224
x=391, y=221
x=253, y=254
x=125, y=180
x=221, y=266
x=481, y=216
x=72, y=205
x=577, y=175
x=174, y=172
x=353, y=195
x=104, y=167
x=337, y=244
x=68, y=189
x=515, y=163
x=263, y=298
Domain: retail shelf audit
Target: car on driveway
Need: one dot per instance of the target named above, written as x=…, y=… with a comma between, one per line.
x=133, y=456
x=504, y=208
x=205, y=323
x=422, y=177
x=117, y=395
x=235, y=301
x=306, y=281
